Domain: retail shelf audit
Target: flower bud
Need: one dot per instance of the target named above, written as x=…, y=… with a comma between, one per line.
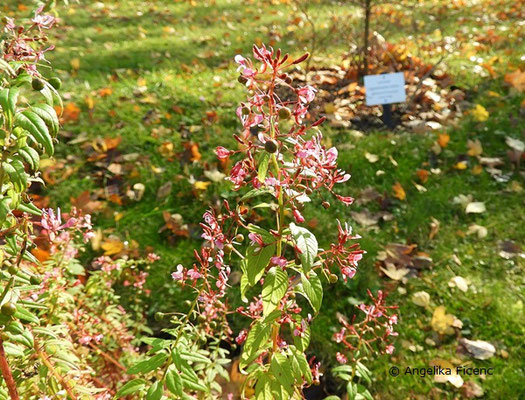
x=239, y=237
x=159, y=316
x=35, y=280
x=228, y=248
x=288, y=80
x=187, y=303
x=271, y=146
x=326, y=204
x=333, y=278
x=242, y=79
x=245, y=111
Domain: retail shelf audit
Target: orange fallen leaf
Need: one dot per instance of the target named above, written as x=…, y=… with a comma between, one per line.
x=399, y=192
x=70, y=113
x=443, y=140
x=112, y=247
x=422, y=174
x=516, y=79
x=105, y=92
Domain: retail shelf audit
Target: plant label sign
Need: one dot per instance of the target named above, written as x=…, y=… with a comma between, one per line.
x=385, y=89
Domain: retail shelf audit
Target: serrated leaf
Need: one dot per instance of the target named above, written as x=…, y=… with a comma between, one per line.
x=281, y=370
x=257, y=337
x=311, y=288
x=257, y=259
x=274, y=289
x=155, y=391
x=306, y=243
x=174, y=381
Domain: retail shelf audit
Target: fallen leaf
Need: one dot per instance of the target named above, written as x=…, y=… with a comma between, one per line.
x=479, y=113
x=75, y=63
x=443, y=139
x=164, y=190
x=421, y=299
x=478, y=348
x=399, y=192
x=471, y=390
x=474, y=148
x=479, y=230
x=112, y=247
x=371, y=157
x=434, y=228
x=450, y=373
x=515, y=144
x=461, y=165
x=516, y=79
x=422, y=175
x=459, y=282
x=442, y=322
x=394, y=273
x=475, y=207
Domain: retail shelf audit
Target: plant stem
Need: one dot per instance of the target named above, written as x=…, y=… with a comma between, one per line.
x=6, y=373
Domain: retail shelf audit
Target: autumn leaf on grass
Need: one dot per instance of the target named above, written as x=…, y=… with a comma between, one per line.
x=443, y=139
x=69, y=113
x=476, y=207
x=112, y=247
x=478, y=348
x=516, y=80
x=422, y=175
x=75, y=64
x=459, y=282
x=394, y=273
x=105, y=92
x=444, y=323
x=479, y=113
x=445, y=366
x=399, y=192
x=474, y=148
x=421, y=299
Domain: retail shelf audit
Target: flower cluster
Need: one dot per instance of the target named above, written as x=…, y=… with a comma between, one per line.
x=372, y=333
x=27, y=45
x=274, y=124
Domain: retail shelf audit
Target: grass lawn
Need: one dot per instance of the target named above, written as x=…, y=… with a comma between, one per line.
x=159, y=75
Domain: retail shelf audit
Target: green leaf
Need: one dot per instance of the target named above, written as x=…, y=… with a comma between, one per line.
x=131, y=387
x=256, y=261
x=263, y=388
x=302, y=341
x=48, y=115
x=266, y=236
x=264, y=161
x=30, y=156
x=281, y=370
x=363, y=372
x=155, y=391
x=254, y=193
x=195, y=357
x=255, y=342
x=37, y=129
x=14, y=177
x=148, y=365
x=303, y=364
x=4, y=209
x=24, y=315
x=244, y=286
x=174, y=381
x=274, y=289
x=307, y=243
x=30, y=208
x=311, y=288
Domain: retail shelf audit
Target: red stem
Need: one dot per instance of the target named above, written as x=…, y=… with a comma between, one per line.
x=6, y=373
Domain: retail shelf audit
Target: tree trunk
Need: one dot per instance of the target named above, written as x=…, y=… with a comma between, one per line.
x=368, y=10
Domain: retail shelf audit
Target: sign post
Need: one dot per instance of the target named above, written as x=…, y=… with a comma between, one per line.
x=385, y=89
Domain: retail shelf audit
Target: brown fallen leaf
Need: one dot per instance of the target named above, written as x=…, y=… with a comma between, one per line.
x=478, y=348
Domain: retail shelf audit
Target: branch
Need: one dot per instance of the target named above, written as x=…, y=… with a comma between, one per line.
x=6, y=373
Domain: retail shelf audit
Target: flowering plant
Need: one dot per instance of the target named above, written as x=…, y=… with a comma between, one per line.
x=362, y=337
x=280, y=157
x=62, y=332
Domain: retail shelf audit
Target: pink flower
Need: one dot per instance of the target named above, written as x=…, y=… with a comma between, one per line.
x=222, y=153
x=256, y=239
x=345, y=200
x=298, y=216
x=194, y=274
x=241, y=337
x=152, y=257
x=85, y=339
x=348, y=272
x=341, y=359
x=339, y=336
x=179, y=274
x=306, y=94
x=280, y=261
x=389, y=349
